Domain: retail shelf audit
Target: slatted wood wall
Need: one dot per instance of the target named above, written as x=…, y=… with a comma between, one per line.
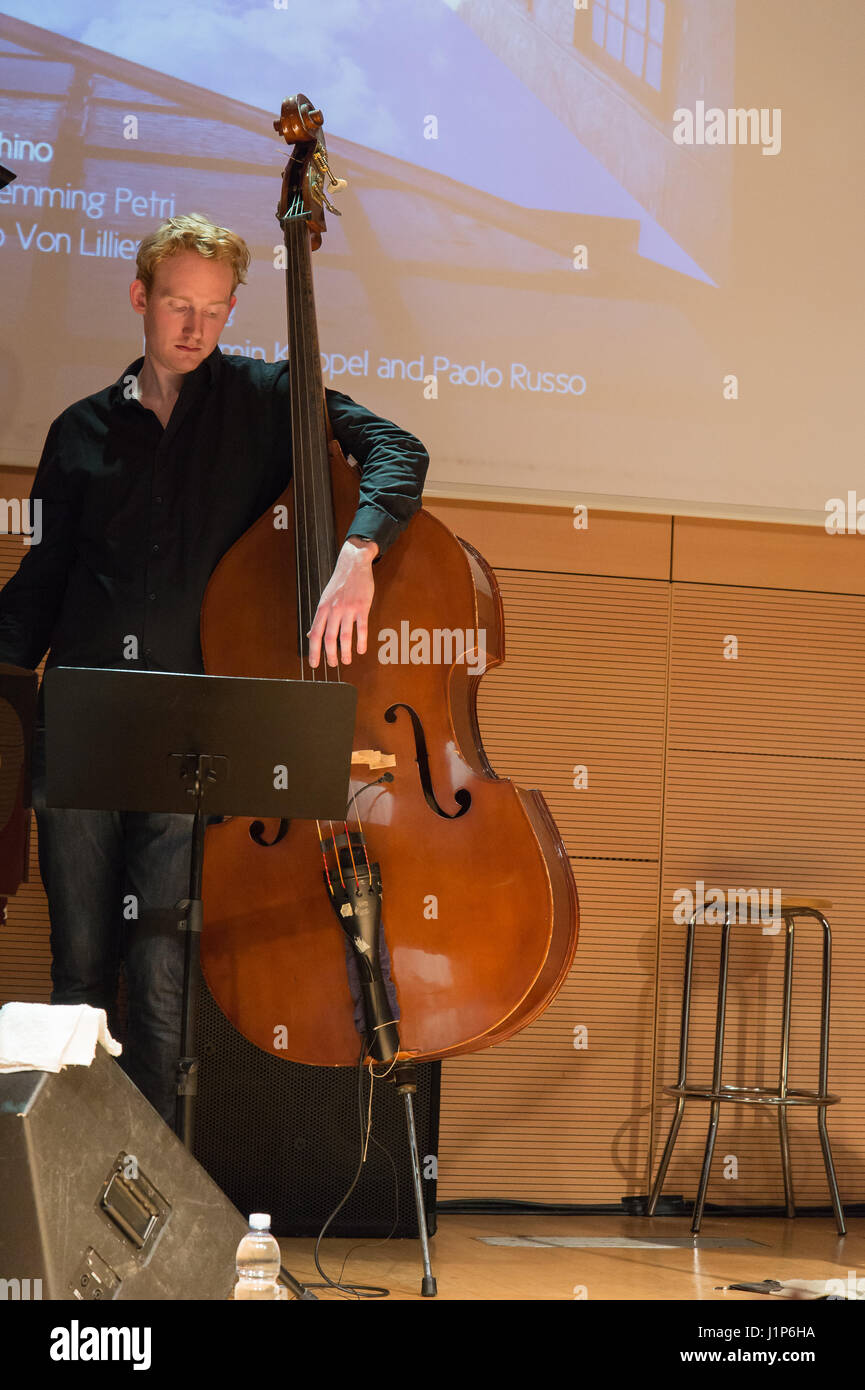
x=764, y=787
x=741, y=773
x=579, y=1095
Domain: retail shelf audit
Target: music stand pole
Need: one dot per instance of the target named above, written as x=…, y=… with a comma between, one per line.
x=187, y=1063
x=199, y=767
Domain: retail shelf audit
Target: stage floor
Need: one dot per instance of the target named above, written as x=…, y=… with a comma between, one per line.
x=728, y=1250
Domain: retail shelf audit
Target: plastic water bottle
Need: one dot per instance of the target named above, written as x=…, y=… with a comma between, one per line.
x=258, y=1261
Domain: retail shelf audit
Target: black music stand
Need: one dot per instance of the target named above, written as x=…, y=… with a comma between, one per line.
x=153, y=741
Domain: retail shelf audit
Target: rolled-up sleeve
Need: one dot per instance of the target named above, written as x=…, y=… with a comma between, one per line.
x=393, y=466
x=30, y=602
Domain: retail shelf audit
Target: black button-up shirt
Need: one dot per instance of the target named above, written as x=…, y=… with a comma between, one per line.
x=135, y=518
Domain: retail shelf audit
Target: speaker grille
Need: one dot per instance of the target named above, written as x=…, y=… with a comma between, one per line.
x=284, y=1138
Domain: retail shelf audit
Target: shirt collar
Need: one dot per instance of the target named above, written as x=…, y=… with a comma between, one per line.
x=206, y=371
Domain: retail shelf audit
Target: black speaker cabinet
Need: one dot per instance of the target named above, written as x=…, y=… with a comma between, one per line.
x=98, y=1197
x=284, y=1138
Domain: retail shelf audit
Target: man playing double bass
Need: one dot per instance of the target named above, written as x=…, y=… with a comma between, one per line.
x=144, y=486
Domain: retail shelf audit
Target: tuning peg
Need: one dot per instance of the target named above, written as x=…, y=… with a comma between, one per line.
x=322, y=162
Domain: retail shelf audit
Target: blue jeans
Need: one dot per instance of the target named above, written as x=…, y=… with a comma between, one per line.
x=103, y=872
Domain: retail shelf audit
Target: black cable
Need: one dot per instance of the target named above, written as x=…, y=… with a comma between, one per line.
x=385, y=777
x=366, y=1245
x=357, y=1291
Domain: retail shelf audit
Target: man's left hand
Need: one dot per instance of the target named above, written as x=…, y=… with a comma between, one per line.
x=345, y=602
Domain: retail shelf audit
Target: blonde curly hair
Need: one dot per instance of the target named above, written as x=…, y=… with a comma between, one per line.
x=192, y=232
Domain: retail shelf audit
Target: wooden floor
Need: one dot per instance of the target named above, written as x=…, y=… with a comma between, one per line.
x=466, y=1268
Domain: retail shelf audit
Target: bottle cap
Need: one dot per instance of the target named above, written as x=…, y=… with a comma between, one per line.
x=259, y=1221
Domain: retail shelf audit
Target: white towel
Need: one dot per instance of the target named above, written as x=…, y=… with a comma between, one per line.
x=49, y=1037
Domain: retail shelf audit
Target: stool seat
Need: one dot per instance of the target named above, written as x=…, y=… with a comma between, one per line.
x=752, y=1095
x=790, y=901
x=782, y=1096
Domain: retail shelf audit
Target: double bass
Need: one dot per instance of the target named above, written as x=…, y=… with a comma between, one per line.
x=478, y=906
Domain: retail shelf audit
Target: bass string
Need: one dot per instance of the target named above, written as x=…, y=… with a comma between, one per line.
x=308, y=505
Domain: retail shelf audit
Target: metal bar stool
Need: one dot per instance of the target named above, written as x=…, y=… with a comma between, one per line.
x=782, y=1096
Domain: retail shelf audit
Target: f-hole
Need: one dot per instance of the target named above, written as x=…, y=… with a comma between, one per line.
x=462, y=796
x=256, y=833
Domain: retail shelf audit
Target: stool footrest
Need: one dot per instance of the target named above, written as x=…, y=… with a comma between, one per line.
x=753, y=1095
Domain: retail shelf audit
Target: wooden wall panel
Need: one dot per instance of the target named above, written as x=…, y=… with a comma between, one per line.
x=764, y=779
x=584, y=684
x=631, y=544
x=762, y=556
x=797, y=686
x=745, y=803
